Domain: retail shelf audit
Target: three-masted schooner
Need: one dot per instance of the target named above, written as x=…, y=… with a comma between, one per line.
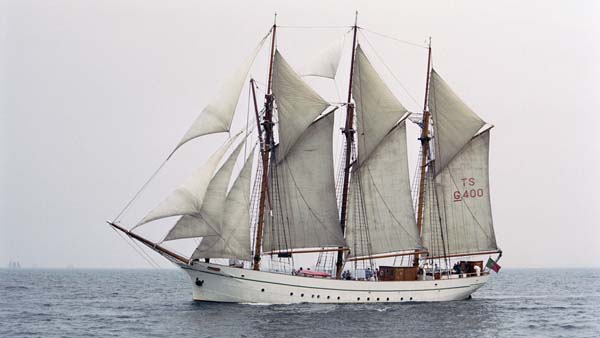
x=357, y=220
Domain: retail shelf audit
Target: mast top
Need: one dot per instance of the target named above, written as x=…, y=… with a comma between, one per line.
x=356, y=19
x=275, y=19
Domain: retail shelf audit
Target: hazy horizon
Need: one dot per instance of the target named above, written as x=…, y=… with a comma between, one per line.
x=95, y=94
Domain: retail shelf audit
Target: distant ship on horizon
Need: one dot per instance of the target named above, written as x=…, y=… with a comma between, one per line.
x=14, y=265
x=375, y=241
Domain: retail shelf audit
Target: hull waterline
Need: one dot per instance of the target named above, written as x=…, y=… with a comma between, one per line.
x=218, y=283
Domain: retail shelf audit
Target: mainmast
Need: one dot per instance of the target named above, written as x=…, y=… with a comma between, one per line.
x=268, y=144
x=349, y=133
x=424, y=152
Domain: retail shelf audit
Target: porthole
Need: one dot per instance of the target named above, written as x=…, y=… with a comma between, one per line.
x=291, y=293
x=301, y=295
x=318, y=296
x=338, y=298
x=410, y=298
x=243, y=276
x=387, y=299
x=435, y=284
x=262, y=290
x=368, y=299
x=313, y=296
x=327, y=297
x=377, y=298
x=357, y=298
x=402, y=298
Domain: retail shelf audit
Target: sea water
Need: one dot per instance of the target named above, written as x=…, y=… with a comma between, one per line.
x=157, y=303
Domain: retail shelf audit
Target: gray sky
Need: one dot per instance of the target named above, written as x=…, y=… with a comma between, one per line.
x=94, y=94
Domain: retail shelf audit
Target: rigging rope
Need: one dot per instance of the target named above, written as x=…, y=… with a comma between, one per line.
x=142, y=254
x=137, y=194
x=395, y=39
x=390, y=70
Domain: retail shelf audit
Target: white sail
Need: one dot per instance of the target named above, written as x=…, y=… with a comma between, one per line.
x=378, y=110
x=380, y=209
x=325, y=63
x=216, y=117
x=233, y=239
x=207, y=220
x=188, y=197
x=297, y=104
x=303, y=194
x=453, y=121
x=463, y=201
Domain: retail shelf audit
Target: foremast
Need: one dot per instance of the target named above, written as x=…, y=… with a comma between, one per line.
x=349, y=135
x=424, y=152
x=265, y=152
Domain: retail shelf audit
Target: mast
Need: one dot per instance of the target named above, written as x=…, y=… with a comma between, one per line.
x=268, y=143
x=349, y=133
x=424, y=151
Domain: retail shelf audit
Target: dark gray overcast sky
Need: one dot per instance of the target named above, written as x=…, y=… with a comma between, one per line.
x=94, y=94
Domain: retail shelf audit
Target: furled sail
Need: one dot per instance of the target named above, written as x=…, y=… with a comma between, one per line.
x=216, y=117
x=381, y=218
x=378, y=109
x=303, y=195
x=453, y=121
x=462, y=202
x=188, y=198
x=325, y=63
x=207, y=220
x=233, y=238
x=297, y=104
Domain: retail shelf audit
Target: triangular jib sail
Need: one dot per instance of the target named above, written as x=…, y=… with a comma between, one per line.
x=216, y=117
x=233, y=237
x=188, y=198
x=207, y=220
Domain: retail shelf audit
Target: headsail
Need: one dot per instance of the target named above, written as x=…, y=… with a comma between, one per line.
x=188, y=198
x=207, y=220
x=326, y=63
x=233, y=237
x=462, y=197
x=454, y=122
x=297, y=104
x=378, y=109
x=216, y=117
x=381, y=218
x=303, y=194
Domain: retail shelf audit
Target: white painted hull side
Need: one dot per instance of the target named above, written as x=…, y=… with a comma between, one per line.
x=235, y=285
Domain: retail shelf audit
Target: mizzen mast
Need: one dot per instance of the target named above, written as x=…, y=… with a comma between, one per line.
x=268, y=145
x=424, y=152
x=349, y=134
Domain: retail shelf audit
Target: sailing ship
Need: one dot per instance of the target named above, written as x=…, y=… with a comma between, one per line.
x=372, y=241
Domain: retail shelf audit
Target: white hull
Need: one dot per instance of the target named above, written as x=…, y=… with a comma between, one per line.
x=234, y=285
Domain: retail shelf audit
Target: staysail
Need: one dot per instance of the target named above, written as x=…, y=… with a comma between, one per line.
x=297, y=104
x=378, y=110
x=462, y=202
x=303, y=195
x=233, y=237
x=207, y=220
x=326, y=62
x=454, y=122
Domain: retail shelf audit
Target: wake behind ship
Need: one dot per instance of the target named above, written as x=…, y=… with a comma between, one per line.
x=353, y=212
